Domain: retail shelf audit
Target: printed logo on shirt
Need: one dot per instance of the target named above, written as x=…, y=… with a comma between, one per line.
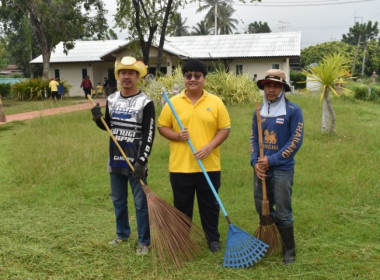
x=270, y=140
x=280, y=120
x=208, y=109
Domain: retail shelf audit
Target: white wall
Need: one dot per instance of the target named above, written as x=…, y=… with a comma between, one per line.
x=72, y=74
x=260, y=65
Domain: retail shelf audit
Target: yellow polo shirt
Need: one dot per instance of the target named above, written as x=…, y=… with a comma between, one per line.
x=53, y=84
x=203, y=120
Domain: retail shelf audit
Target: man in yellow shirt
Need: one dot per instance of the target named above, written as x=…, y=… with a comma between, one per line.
x=207, y=123
x=53, y=85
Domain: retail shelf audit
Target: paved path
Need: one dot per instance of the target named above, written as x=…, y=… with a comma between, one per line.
x=52, y=111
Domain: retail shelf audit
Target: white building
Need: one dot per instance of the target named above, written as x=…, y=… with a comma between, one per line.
x=240, y=53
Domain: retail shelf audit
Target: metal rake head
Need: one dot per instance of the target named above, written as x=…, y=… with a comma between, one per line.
x=242, y=249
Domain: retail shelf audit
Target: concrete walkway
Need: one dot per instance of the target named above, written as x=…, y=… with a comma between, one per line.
x=53, y=111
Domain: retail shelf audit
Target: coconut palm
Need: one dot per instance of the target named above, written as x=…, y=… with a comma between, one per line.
x=201, y=28
x=223, y=16
x=331, y=74
x=226, y=23
x=178, y=25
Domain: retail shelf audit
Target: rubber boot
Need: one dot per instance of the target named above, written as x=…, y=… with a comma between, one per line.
x=289, y=247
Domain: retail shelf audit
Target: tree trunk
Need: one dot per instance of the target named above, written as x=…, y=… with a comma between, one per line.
x=45, y=64
x=37, y=27
x=163, y=34
x=145, y=45
x=355, y=57
x=328, y=114
x=364, y=53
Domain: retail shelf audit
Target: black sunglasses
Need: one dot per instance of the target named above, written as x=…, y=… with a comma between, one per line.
x=189, y=76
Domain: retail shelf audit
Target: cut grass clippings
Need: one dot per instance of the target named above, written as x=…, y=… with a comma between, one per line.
x=57, y=216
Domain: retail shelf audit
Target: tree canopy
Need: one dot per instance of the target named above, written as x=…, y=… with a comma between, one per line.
x=258, y=27
x=53, y=21
x=143, y=19
x=361, y=32
x=178, y=25
x=315, y=54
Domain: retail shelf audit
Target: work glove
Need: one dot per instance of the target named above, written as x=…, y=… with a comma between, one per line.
x=139, y=170
x=96, y=112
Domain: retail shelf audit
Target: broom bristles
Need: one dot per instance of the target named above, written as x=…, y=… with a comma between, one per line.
x=175, y=238
x=267, y=232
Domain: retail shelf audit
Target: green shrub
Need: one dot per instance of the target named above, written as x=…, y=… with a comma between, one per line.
x=230, y=88
x=5, y=89
x=360, y=90
x=375, y=92
x=298, y=79
x=34, y=89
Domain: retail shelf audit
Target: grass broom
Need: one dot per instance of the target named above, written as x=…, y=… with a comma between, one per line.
x=175, y=238
x=242, y=249
x=3, y=118
x=267, y=230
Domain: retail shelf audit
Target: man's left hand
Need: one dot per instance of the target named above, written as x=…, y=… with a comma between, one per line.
x=139, y=170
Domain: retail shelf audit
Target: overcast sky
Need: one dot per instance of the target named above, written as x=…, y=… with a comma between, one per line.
x=318, y=20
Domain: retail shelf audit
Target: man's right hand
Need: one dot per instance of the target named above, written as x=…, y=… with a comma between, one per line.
x=260, y=171
x=96, y=112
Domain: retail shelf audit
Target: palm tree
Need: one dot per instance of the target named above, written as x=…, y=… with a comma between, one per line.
x=222, y=16
x=177, y=25
x=201, y=28
x=226, y=23
x=330, y=74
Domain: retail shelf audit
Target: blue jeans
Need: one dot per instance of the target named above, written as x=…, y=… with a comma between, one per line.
x=279, y=192
x=119, y=195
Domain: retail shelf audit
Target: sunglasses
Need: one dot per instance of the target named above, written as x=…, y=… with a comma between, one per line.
x=189, y=76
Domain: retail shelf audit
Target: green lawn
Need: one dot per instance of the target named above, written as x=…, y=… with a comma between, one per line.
x=57, y=217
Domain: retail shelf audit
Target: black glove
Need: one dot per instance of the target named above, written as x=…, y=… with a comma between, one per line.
x=96, y=112
x=139, y=171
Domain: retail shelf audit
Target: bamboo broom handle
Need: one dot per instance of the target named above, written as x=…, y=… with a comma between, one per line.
x=114, y=140
x=261, y=145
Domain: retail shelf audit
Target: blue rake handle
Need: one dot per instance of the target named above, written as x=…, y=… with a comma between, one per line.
x=198, y=160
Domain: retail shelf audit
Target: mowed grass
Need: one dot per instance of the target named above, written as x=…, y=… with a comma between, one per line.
x=57, y=217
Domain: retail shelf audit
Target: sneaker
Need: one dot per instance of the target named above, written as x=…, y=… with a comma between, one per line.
x=117, y=240
x=142, y=249
x=214, y=246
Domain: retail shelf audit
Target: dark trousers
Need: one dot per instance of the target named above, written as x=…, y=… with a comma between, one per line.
x=185, y=186
x=87, y=91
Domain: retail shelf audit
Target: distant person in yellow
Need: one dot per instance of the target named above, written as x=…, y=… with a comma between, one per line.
x=53, y=85
x=99, y=90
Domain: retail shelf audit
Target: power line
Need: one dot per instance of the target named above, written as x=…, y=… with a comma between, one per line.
x=301, y=4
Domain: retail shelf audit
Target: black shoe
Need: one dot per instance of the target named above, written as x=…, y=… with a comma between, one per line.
x=214, y=246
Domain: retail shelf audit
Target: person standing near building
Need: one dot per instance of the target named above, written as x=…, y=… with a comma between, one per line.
x=282, y=130
x=99, y=90
x=53, y=85
x=86, y=85
x=130, y=114
x=106, y=87
x=207, y=123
